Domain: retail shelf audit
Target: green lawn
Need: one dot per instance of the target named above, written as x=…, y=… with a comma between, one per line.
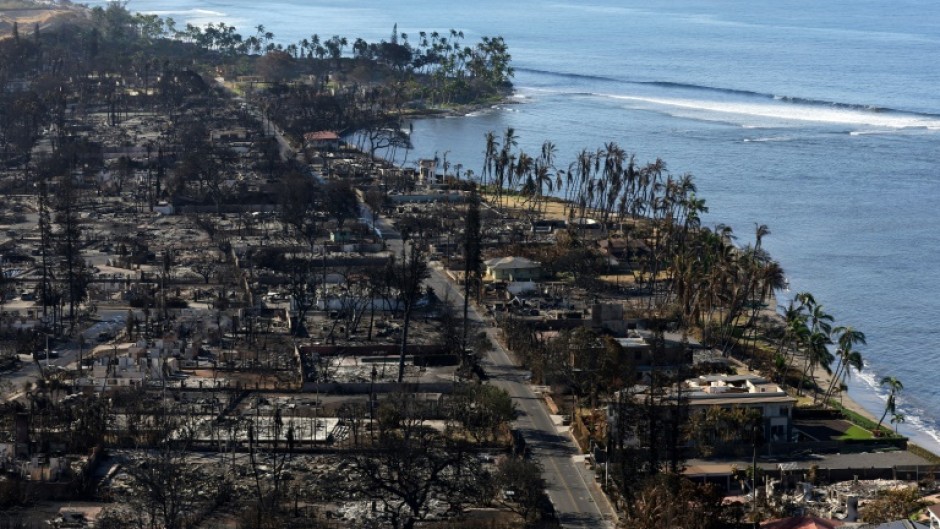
x=855, y=432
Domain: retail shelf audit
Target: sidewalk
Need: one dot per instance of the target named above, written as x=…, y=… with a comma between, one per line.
x=588, y=474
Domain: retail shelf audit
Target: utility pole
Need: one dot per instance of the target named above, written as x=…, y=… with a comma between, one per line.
x=372, y=405
x=754, y=512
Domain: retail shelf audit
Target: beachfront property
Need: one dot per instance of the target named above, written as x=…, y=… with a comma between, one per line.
x=728, y=392
x=322, y=140
x=748, y=392
x=427, y=171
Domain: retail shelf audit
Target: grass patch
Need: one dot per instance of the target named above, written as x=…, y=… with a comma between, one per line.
x=856, y=432
x=862, y=421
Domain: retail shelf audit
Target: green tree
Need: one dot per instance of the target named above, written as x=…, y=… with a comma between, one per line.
x=340, y=201
x=483, y=410
x=897, y=419
x=848, y=357
x=300, y=202
x=894, y=388
x=275, y=65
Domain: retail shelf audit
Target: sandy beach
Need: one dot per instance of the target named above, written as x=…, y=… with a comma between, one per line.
x=555, y=210
x=27, y=17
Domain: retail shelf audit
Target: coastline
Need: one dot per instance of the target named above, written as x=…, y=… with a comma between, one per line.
x=917, y=437
x=863, y=392
x=47, y=17
x=52, y=17
x=859, y=393
x=459, y=111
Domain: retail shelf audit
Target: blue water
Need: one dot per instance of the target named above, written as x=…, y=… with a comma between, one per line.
x=819, y=119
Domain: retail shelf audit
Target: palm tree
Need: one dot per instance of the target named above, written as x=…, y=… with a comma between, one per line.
x=820, y=320
x=503, y=162
x=489, y=158
x=891, y=406
x=897, y=419
x=767, y=279
x=760, y=231
x=817, y=355
x=795, y=333
x=847, y=338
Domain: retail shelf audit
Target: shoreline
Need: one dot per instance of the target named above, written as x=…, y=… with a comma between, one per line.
x=47, y=17
x=861, y=397
x=463, y=110
x=50, y=16
x=916, y=436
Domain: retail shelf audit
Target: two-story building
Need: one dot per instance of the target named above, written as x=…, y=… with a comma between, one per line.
x=749, y=392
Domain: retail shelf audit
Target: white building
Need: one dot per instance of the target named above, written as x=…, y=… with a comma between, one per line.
x=747, y=392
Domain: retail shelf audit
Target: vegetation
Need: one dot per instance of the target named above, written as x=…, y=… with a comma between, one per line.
x=891, y=505
x=894, y=387
x=859, y=420
x=675, y=502
x=686, y=277
x=855, y=432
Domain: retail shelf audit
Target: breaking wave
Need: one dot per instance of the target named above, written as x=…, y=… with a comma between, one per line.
x=731, y=101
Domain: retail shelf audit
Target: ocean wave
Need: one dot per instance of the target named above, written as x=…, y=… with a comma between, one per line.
x=790, y=112
x=702, y=88
x=916, y=419
x=823, y=104
x=876, y=132
x=188, y=13
x=767, y=139
x=568, y=75
x=752, y=112
x=836, y=104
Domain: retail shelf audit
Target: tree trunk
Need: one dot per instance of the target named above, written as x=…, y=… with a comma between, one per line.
x=404, y=342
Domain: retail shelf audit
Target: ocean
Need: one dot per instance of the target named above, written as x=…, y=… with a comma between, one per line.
x=819, y=119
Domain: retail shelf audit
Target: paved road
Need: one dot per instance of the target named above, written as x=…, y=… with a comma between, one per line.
x=67, y=356
x=578, y=501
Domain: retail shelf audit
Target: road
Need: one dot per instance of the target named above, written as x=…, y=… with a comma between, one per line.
x=110, y=322
x=268, y=126
x=578, y=500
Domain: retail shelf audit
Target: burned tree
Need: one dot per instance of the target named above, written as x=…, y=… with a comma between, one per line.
x=407, y=276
